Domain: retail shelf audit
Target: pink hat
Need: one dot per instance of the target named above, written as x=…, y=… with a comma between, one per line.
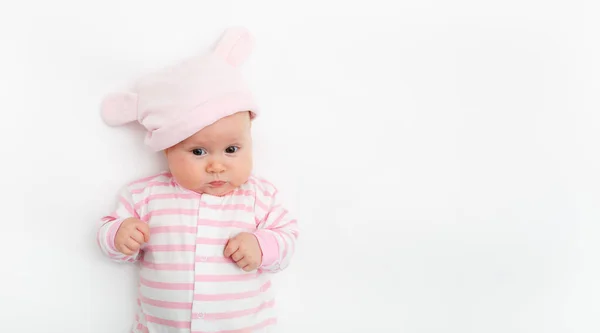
x=178, y=101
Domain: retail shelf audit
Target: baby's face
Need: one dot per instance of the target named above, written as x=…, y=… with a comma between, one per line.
x=215, y=160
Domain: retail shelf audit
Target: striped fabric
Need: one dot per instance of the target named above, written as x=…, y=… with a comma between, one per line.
x=186, y=284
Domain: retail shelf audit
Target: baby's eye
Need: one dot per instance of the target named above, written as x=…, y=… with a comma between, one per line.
x=198, y=152
x=231, y=149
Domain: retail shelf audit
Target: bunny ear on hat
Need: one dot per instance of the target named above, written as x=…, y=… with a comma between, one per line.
x=235, y=46
x=119, y=108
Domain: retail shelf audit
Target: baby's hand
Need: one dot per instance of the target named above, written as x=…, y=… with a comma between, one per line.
x=131, y=235
x=245, y=251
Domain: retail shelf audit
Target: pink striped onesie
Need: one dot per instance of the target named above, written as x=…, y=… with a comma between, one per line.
x=186, y=284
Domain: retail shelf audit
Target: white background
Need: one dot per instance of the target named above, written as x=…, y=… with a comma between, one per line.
x=443, y=157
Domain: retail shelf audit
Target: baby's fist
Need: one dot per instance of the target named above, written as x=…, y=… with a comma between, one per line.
x=245, y=251
x=131, y=235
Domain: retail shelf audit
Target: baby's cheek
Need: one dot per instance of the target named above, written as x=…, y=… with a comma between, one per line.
x=188, y=172
x=243, y=169
x=195, y=171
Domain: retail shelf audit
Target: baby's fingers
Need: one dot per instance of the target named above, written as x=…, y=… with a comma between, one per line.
x=124, y=249
x=138, y=237
x=132, y=245
x=143, y=228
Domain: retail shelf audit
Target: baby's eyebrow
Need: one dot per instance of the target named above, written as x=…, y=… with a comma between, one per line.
x=235, y=139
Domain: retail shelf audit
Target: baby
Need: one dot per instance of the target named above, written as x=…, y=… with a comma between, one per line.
x=207, y=233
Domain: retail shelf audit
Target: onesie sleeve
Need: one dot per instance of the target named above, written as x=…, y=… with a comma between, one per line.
x=110, y=225
x=277, y=232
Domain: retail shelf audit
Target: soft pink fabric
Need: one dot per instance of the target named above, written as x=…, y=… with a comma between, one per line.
x=112, y=232
x=268, y=246
x=178, y=101
x=185, y=254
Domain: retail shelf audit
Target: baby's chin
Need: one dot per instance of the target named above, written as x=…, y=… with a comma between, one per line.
x=217, y=191
x=204, y=188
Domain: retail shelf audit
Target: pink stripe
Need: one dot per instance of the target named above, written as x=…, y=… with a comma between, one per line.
x=173, y=229
x=264, y=191
x=268, y=322
x=250, y=193
x=128, y=207
x=269, y=246
x=227, y=207
x=109, y=218
x=271, y=211
x=142, y=328
x=98, y=239
x=285, y=243
x=166, y=196
x=173, y=211
x=226, y=278
x=253, y=181
x=264, y=181
x=214, y=260
x=185, y=267
x=165, y=322
x=262, y=184
x=295, y=233
x=244, y=193
x=167, y=305
x=168, y=267
x=232, y=296
x=223, y=224
x=166, y=173
x=122, y=257
x=288, y=224
x=151, y=184
x=276, y=222
x=241, y=313
x=139, y=326
x=110, y=236
x=170, y=248
x=262, y=205
x=166, y=286
x=186, y=247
